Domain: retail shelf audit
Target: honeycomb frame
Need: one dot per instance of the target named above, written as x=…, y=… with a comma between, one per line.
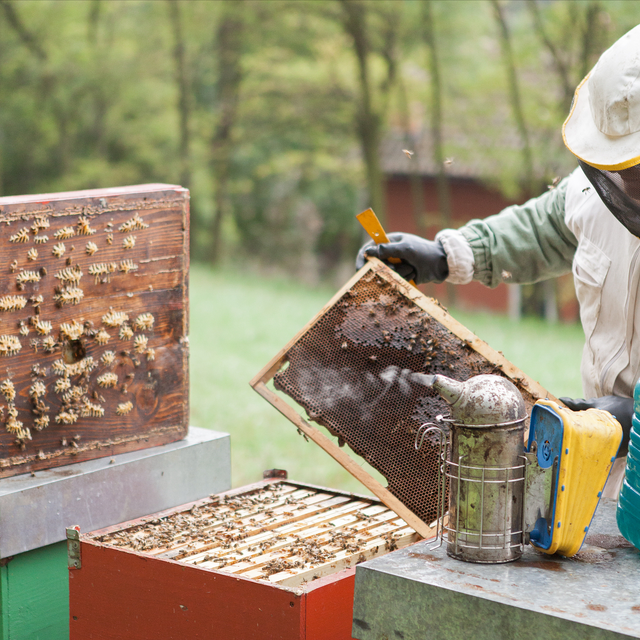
x=332, y=368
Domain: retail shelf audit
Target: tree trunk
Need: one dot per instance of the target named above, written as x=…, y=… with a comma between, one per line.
x=182, y=84
x=229, y=46
x=559, y=63
x=368, y=121
x=514, y=96
x=442, y=182
x=415, y=179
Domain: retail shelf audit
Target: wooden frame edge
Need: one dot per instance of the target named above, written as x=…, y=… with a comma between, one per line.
x=344, y=459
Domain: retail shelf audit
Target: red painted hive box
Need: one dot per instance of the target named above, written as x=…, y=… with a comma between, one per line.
x=274, y=560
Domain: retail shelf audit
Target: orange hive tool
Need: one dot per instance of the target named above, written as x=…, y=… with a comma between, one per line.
x=372, y=226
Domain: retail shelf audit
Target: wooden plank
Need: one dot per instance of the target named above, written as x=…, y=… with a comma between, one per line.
x=299, y=529
x=137, y=522
x=257, y=535
x=346, y=461
x=67, y=267
x=343, y=561
x=325, y=540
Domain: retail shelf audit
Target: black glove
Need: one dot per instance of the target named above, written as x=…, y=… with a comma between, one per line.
x=422, y=260
x=620, y=408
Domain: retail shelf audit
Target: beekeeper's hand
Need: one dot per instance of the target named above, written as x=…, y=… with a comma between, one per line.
x=421, y=260
x=620, y=408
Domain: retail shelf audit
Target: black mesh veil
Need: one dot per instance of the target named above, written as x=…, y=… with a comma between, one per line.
x=620, y=191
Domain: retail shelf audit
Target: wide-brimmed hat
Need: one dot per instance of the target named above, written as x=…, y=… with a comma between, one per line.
x=603, y=127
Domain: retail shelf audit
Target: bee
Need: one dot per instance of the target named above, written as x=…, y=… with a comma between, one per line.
x=128, y=265
x=13, y=266
x=43, y=327
x=72, y=330
x=8, y=390
x=32, y=254
x=129, y=242
x=134, y=224
x=70, y=295
x=64, y=234
x=109, y=238
x=40, y=222
x=84, y=228
x=126, y=333
x=59, y=368
x=408, y=153
x=123, y=408
x=27, y=276
x=108, y=357
x=140, y=344
x=114, y=318
x=49, y=344
x=102, y=337
x=102, y=268
x=37, y=389
x=86, y=365
x=91, y=410
x=41, y=239
x=21, y=236
x=151, y=354
x=448, y=162
x=73, y=395
x=554, y=183
x=61, y=385
x=41, y=422
x=70, y=274
x=67, y=417
x=12, y=303
x=107, y=380
x=144, y=322
x=58, y=250
x=9, y=345
x=91, y=248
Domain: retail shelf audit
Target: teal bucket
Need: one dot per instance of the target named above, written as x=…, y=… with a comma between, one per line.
x=628, y=511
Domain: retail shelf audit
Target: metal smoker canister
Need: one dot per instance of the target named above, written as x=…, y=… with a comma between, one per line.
x=484, y=468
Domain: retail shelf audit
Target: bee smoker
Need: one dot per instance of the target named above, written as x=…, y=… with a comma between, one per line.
x=483, y=467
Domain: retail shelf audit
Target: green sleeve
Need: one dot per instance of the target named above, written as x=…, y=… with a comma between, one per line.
x=530, y=242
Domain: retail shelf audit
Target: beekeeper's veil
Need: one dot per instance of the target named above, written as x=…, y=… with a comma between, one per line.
x=603, y=129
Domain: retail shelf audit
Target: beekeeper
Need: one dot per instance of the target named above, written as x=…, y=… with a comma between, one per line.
x=589, y=224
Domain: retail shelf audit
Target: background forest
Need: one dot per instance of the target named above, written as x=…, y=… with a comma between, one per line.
x=273, y=113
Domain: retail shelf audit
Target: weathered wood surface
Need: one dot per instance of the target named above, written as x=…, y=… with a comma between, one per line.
x=115, y=301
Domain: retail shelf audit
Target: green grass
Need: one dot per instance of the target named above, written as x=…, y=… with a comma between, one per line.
x=240, y=321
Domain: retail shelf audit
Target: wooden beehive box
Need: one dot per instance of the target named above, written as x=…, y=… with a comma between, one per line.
x=93, y=324
x=271, y=560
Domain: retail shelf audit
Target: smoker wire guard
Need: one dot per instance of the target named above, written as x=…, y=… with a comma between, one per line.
x=495, y=362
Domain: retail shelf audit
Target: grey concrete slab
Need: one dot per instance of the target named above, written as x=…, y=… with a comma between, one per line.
x=420, y=593
x=35, y=510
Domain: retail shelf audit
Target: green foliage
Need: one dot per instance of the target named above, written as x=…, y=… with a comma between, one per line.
x=91, y=98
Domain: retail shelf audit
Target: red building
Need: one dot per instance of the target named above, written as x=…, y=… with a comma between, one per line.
x=411, y=194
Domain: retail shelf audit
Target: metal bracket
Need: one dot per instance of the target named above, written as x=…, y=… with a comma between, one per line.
x=73, y=547
x=275, y=473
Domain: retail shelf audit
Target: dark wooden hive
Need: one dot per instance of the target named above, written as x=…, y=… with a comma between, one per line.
x=93, y=324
